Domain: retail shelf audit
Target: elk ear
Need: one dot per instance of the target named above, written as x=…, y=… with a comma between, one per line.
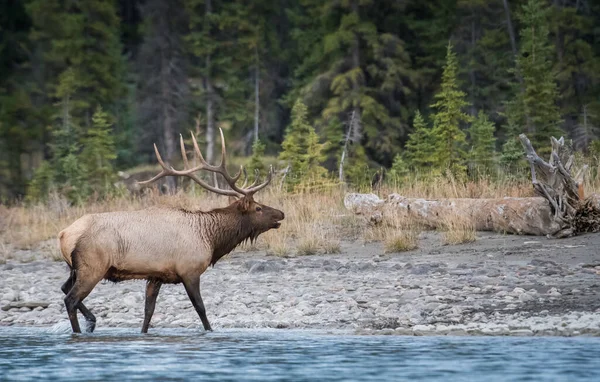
x=231, y=199
x=245, y=203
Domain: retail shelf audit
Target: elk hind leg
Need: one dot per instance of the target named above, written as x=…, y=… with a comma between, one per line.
x=89, y=316
x=152, y=289
x=192, y=287
x=85, y=281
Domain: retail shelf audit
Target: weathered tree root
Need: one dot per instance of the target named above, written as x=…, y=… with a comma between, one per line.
x=554, y=182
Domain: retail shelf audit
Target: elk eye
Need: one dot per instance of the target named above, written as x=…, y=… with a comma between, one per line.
x=258, y=209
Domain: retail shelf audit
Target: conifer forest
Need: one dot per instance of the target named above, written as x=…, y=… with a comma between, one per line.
x=338, y=90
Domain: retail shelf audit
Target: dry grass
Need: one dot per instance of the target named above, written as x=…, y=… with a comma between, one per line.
x=401, y=241
x=277, y=244
x=397, y=234
x=309, y=226
x=5, y=252
x=458, y=229
x=316, y=220
x=437, y=187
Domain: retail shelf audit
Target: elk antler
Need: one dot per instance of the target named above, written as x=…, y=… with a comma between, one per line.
x=220, y=169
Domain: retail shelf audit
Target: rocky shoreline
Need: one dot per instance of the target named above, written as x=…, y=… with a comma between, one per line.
x=499, y=285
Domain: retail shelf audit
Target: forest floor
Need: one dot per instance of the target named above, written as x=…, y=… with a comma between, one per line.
x=497, y=285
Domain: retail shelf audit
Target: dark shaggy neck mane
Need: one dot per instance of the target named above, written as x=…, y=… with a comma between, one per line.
x=224, y=229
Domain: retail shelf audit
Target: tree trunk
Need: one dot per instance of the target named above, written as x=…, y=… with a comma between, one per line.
x=210, y=119
x=256, y=96
x=511, y=31
x=472, y=108
x=356, y=112
x=210, y=99
x=345, y=150
x=168, y=133
x=513, y=45
x=523, y=216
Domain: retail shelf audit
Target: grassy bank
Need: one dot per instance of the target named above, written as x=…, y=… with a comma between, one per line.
x=316, y=220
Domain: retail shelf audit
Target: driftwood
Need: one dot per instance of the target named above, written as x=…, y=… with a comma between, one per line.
x=564, y=192
x=26, y=304
x=560, y=210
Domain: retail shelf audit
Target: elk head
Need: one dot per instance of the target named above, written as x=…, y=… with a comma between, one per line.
x=258, y=218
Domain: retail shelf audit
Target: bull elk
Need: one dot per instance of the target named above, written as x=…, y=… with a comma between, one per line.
x=161, y=245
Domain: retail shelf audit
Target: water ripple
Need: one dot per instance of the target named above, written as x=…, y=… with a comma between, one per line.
x=273, y=355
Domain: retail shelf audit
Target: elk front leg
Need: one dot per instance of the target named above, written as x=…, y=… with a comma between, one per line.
x=152, y=289
x=192, y=287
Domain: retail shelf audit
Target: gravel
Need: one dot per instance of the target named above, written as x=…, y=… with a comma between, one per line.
x=485, y=288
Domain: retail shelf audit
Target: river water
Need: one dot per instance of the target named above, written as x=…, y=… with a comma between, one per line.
x=292, y=355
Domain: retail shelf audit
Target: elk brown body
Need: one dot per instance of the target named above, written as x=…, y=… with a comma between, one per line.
x=160, y=245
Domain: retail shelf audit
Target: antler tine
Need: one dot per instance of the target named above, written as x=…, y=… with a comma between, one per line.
x=256, y=175
x=197, y=149
x=186, y=164
x=223, y=150
x=255, y=189
x=245, y=178
x=167, y=170
x=221, y=169
x=223, y=164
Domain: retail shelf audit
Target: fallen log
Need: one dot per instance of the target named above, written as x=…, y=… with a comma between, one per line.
x=522, y=216
x=560, y=210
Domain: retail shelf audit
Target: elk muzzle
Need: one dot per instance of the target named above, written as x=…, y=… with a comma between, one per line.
x=279, y=216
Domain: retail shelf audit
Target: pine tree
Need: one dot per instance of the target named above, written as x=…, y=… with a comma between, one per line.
x=205, y=44
x=512, y=156
x=399, y=169
x=82, y=37
x=482, y=143
x=21, y=128
x=354, y=67
x=450, y=101
x=357, y=170
x=64, y=172
x=577, y=69
x=535, y=109
x=483, y=47
x=420, y=145
x=301, y=149
x=257, y=165
x=69, y=172
x=99, y=153
x=162, y=95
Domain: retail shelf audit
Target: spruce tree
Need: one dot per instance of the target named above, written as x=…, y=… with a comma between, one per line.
x=482, y=143
x=64, y=172
x=81, y=36
x=163, y=84
x=352, y=66
x=99, y=153
x=450, y=140
x=512, y=156
x=257, y=165
x=301, y=149
x=420, y=145
x=534, y=110
x=399, y=169
x=578, y=63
